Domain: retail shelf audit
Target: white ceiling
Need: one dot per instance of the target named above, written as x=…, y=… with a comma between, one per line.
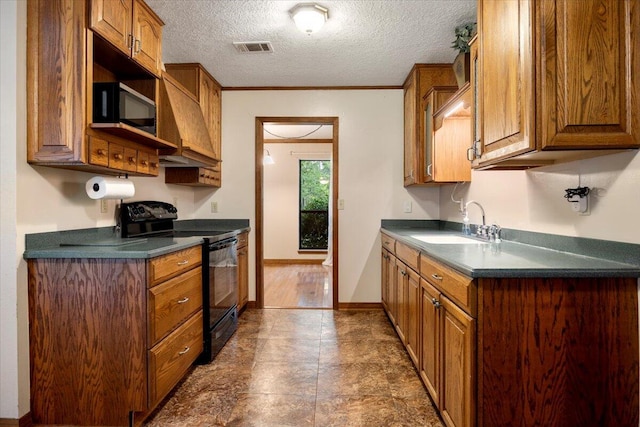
x=364, y=42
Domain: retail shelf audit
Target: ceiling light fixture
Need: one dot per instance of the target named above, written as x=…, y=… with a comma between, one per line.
x=309, y=17
x=267, y=159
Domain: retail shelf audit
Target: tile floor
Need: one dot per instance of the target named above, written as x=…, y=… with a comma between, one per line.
x=304, y=368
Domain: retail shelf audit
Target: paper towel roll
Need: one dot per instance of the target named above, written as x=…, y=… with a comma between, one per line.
x=100, y=187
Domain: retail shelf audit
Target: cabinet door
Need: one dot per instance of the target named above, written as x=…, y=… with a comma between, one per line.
x=410, y=154
x=384, y=280
x=112, y=20
x=457, y=401
x=243, y=276
x=429, y=109
x=413, y=315
x=147, y=34
x=506, y=78
x=210, y=104
x=402, y=298
x=589, y=74
x=431, y=340
x=392, y=295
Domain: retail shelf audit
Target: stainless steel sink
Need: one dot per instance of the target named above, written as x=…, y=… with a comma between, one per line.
x=446, y=239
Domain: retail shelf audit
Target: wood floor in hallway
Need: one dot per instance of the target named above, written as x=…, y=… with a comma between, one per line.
x=297, y=286
x=296, y=368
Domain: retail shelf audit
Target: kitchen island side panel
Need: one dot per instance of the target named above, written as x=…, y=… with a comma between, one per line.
x=558, y=352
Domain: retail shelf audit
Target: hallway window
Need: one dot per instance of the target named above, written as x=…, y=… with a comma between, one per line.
x=314, y=204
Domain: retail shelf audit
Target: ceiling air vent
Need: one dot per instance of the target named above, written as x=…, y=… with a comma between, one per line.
x=253, y=47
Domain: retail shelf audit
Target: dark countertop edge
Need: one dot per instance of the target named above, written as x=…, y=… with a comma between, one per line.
x=626, y=269
x=622, y=252
x=59, y=244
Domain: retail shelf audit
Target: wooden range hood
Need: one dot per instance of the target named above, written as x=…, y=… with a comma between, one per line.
x=181, y=122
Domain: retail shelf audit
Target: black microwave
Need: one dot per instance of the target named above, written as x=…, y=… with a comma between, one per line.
x=115, y=102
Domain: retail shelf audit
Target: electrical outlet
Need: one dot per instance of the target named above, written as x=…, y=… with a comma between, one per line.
x=407, y=206
x=340, y=204
x=104, y=206
x=214, y=207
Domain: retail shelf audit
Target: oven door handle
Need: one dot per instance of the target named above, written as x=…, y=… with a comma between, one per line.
x=216, y=246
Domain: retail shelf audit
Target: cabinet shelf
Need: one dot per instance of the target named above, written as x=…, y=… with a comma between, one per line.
x=132, y=134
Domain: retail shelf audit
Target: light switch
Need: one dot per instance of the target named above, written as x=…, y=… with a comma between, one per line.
x=214, y=207
x=407, y=206
x=340, y=204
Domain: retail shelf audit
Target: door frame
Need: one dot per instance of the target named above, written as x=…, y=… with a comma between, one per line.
x=259, y=176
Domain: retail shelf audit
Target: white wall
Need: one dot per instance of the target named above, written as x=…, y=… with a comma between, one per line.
x=370, y=170
x=534, y=200
x=281, y=194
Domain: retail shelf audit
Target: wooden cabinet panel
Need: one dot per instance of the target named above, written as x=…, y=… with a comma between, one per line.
x=98, y=151
x=57, y=116
x=192, y=176
x=173, y=264
x=402, y=294
x=564, y=349
x=458, y=287
x=388, y=243
x=390, y=284
x=169, y=360
x=589, y=74
x=413, y=316
x=568, y=77
x=457, y=401
x=408, y=255
x=147, y=35
x=421, y=78
x=130, y=160
x=507, y=100
x=112, y=20
x=430, y=360
x=87, y=340
x=171, y=302
x=243, y=270
x=116, y=156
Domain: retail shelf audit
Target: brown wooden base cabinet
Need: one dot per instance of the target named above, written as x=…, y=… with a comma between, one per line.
x=243, y=270
x=555, y=352
x=109, y=338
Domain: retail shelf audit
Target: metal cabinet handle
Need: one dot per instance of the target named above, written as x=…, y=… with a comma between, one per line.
x=185, y=262
x=185, y=351
x=129, y=41
x=137, y=46
x=435, y=303
x=404, y=273
x=429, y=169
x=183, y=300
x=436, y=277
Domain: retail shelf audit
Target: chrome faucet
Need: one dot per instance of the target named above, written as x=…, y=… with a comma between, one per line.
x=483, y=231
x=478, y=205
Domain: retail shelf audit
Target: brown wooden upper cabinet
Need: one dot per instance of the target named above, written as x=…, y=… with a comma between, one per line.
x=64, y=60
x=447, y=134
x=557, y=81
x=132, y=27
x=421, y=78
x=197, y=80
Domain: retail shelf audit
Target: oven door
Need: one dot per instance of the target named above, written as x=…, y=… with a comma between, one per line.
x=223, y=279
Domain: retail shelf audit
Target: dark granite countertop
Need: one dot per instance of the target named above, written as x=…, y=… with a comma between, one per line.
x=520, y=254
x=104, y=242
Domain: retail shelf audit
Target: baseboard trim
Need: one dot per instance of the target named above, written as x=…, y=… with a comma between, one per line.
x=359, y=305
x=293, y=261
x=250, y=304
x=24, y=421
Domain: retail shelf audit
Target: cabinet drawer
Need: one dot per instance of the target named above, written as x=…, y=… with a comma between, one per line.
x=388, y=243
x=154, y=164
x=456, y=286
x=409, y=255
x=243, y=240
x=171, y=302
x=130, y=159
x=98, y=151
x=116, y=156
x=170, y=359
x=170, y=265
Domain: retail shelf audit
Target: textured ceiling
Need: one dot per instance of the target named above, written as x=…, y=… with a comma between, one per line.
x=364, y=43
